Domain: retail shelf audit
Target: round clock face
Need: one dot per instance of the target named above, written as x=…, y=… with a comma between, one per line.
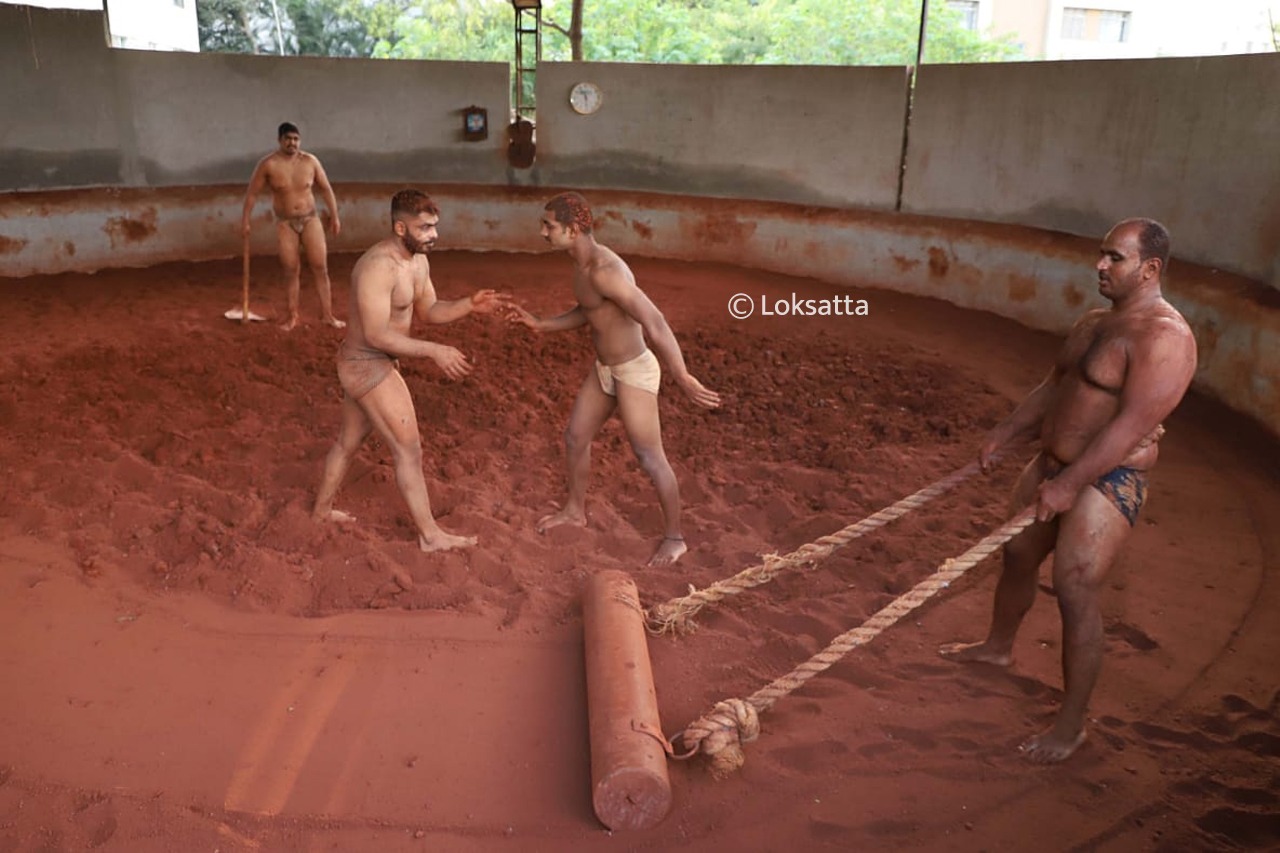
x=585, y=98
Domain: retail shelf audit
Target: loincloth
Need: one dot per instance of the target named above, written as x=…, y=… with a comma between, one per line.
x=297, y=223
x=643, y=372
x=361, y=369
x=1124, y=487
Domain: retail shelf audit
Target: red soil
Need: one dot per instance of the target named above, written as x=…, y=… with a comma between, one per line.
x=189, y=662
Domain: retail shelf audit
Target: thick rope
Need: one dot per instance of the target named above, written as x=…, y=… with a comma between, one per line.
x=721, y=733
x=676, y=615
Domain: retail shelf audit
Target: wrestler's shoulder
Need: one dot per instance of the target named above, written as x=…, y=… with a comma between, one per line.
x=1162, y=321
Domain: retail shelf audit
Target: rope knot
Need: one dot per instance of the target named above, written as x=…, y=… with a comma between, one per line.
x=721, y=733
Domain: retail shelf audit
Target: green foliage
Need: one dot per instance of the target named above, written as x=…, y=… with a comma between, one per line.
x=226, y=26
x=776, y=32
x=743, y=32
x=352, y=28
x=473, y=30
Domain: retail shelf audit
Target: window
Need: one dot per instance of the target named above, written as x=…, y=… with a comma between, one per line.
x=1105, y=25
x=1113, y=26
x=1073, y=21
x=968, y=10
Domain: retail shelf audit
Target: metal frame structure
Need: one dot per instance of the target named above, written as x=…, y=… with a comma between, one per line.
x=528, y=23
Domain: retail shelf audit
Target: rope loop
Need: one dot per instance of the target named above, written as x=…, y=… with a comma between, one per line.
x=721, y=733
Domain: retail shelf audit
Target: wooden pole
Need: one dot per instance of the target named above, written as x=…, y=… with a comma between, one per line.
x=630, y=786
x=244, y=315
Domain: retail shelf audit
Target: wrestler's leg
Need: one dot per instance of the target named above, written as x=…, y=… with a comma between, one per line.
x=590, y=410
x=390, y=408
x=313, y=242
x=355, y=428
x=1090, y=537
x=639, y=412
x=287, y=241
x=1019, y=578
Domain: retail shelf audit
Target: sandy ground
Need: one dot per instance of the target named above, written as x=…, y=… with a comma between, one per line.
x=189, y=663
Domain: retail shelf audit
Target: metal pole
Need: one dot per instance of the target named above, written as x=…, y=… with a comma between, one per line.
x=275, y=10
x=911, y=88
x=924, y=20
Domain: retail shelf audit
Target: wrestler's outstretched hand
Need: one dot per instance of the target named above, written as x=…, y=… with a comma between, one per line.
x=699, y=393
x=451, y=361
x=487, y=301
x=518, y=316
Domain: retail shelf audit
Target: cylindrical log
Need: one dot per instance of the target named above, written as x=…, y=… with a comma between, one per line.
x=630, y=786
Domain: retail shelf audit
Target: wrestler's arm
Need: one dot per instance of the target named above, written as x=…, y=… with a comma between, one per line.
x=574, y=318
x=330, y=200
x=1161, y=365
x=484, y=301
x=623, y=292
x=256, y=183
x=373, y=285
x=1024, y=422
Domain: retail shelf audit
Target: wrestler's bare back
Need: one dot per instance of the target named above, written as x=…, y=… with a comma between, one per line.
x=291, y=179
x=617, y=336
x=1092, y=371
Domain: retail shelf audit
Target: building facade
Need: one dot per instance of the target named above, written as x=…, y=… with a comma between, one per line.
x=138, y=24
x=1125, y=29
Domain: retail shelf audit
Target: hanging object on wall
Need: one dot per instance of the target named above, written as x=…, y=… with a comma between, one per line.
x=475, y=123
x=520, y=144
x=585, y=98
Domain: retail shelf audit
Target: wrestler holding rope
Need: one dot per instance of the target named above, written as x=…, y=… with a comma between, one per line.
x=1120, y=373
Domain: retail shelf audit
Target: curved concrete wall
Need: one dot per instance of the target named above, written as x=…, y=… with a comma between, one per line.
x=1039, y=278
x=1066, y=147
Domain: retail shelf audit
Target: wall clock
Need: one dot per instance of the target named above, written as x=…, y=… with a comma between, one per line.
x=585, y=98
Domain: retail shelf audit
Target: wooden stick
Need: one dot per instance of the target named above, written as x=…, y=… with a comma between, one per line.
x=244, y=316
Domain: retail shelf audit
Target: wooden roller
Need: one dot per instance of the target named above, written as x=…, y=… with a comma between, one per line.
x=630, y=786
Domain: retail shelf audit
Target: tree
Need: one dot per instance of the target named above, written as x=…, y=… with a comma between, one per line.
x=573, y=32
x=475, y=30
x=745, y=32
x=226, y=26
x=353, y=28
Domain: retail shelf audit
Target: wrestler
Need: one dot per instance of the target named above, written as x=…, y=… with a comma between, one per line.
x=292, y=175
x=626, y=374
x=390, y=285
x=1120, y=373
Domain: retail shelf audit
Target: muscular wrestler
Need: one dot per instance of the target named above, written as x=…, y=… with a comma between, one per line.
x=390, y=285
x=292, y=176
x=626, y=374
x=1098, y=414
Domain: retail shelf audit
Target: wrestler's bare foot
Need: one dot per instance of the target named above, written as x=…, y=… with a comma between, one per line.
x=290, y=324
x=441, y=541
x=568, y=515
x=334, y=515
x=982, y=652
x=1051, y=747
x=335, y=322
x=670, y=549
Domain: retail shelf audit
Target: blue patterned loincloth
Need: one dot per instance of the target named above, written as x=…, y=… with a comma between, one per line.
x=1126, y=488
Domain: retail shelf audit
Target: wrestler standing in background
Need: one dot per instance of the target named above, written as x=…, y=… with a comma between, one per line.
x=293, y=176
